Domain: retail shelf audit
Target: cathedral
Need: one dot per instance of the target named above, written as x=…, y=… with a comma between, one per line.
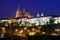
x=23, y=14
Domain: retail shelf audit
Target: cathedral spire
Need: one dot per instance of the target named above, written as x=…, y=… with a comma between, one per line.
x=42, y=14
x=24, y=10
x=18, y=7
x=18, y=12
x=38, y=14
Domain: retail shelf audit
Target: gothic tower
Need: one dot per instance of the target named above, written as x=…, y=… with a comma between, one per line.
x=38, y=15
x=42, y=14
x=18, y=12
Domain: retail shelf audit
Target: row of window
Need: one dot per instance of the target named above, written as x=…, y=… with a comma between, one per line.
x=33, y=21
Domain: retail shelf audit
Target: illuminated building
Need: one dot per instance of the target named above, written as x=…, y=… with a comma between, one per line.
x=21, y=14
x=18, y=13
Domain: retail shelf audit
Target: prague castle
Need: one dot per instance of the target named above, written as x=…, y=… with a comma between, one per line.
x=40, y=24
x=38, y=20
x=24, y=14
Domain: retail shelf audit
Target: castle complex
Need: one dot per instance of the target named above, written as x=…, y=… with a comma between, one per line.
x=23, y=17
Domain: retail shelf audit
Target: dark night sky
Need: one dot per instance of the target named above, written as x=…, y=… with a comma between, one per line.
x=48, y=7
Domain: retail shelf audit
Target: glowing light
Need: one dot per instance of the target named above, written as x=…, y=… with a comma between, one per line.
x=4, y=20
x=9, y=21
x=42, y=14
x=38, y=14
x=21, y=31
x=14, y=20
x=3, y=28
x=57, y=29
x=33, y=29
x=28, y=30
x=16, y=30
x=43, y=32
x=25, y=28
x=38, y=31
x=18, y=20
x=32, y=33
x=54, y=34
x=56, y=21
